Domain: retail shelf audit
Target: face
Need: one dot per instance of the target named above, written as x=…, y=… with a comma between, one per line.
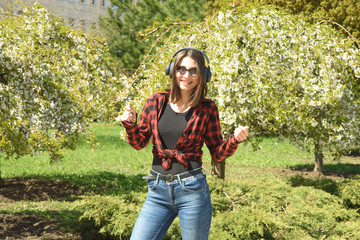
x=186, y=75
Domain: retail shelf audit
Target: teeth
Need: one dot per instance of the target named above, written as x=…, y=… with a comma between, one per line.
x=186, y=82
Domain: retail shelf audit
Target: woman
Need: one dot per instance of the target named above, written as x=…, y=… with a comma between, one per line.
x=179, y=122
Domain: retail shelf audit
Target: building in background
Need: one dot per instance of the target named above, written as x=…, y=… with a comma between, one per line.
x=79, y=14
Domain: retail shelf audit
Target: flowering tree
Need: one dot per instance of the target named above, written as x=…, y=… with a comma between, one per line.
x=53, y=82
x=275, y=73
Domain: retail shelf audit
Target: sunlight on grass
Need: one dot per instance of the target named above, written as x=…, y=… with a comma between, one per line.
x=112, y=157
x=111, y=154
x=272, y=153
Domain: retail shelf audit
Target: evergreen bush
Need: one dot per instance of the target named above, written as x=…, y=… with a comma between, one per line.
x=113, y=215
x=245, y=209
x=275, y=210
x=350, y=193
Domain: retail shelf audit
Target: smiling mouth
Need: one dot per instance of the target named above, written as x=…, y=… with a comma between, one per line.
x=186, y=82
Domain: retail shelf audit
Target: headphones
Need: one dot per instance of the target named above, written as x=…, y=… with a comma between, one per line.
x=207, y=73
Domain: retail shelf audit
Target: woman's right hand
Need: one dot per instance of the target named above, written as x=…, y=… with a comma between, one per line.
x=129, y=115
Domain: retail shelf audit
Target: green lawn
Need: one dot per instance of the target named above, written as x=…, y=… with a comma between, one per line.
x=111, y=154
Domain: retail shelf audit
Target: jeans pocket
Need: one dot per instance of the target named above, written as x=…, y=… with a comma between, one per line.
x=152, y=184
x=195, y=183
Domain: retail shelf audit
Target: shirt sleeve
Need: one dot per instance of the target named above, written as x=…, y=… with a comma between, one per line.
x=219, y=149
x=138, y=135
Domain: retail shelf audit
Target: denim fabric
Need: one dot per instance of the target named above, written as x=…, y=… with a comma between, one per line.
x=188, y=198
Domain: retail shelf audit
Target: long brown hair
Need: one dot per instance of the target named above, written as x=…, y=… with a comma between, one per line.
x=201, y=89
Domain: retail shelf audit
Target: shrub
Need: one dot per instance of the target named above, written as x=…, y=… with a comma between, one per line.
x=242, y=209
x=115, y=216
x=275, y=210
x=350, y=193
x=327, y=185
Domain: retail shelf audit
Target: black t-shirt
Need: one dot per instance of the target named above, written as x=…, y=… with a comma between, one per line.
x=171, y=125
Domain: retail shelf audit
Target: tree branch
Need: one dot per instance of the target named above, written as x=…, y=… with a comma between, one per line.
x=9, y=14
x=343, y=28
x=164, y=26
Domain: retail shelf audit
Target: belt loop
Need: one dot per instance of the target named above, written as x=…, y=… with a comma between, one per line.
x=180, y=181
x=157, y=178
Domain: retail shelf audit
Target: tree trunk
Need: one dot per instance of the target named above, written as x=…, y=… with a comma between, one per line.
x=218, y=168
x=319, y=166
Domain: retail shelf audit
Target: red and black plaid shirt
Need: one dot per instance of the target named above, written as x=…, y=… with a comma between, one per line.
x=203, y=126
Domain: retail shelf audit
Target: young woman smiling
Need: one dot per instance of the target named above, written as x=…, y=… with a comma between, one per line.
x=179, y=121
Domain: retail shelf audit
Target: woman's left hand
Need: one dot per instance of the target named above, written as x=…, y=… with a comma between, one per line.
x=241, y=133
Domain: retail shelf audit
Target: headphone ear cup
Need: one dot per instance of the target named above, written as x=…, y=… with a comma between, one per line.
x=207, y=74
x=169, y=68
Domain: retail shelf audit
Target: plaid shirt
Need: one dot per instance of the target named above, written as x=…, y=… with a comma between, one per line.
x=203, y=126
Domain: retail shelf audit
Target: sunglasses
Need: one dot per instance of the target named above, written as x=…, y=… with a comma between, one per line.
x=192, y=71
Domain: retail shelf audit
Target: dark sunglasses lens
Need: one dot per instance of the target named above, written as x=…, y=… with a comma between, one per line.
x=193, y=72
x=182, y=70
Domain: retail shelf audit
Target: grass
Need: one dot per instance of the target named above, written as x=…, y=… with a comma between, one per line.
x=113, y=159
x=272, y=153
x=114, y=168
x=113, y=155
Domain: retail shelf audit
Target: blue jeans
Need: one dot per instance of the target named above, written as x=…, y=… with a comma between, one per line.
x=188, y=198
